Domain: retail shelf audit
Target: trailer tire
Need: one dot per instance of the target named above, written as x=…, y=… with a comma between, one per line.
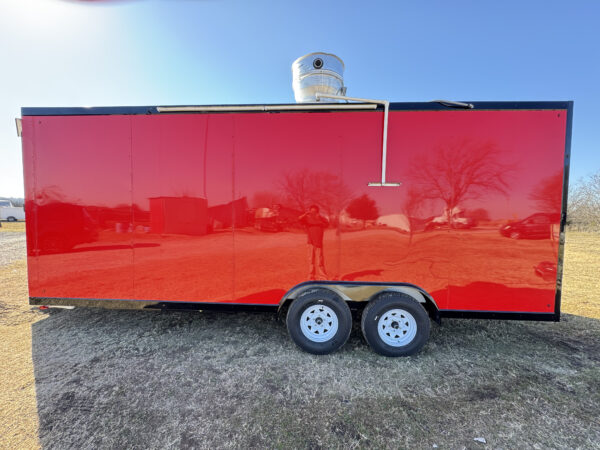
x=395, y=324
x=11, y=219
x=319, y=321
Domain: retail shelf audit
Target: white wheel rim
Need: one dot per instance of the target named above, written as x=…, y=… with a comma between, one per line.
x=397, y=327
x=319, y=323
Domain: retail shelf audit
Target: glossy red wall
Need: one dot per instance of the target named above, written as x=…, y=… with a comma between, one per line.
x=205, y=207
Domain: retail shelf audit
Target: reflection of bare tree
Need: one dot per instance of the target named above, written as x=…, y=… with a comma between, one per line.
x=304, y=188
x=265, y=199
x=547, y=194
x=478, y=215
x=460, y=170
x=412, y=203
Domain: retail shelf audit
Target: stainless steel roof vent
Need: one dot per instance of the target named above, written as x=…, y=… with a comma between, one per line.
x=317, y=72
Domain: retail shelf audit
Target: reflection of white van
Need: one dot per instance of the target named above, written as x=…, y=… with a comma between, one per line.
x=11, y=213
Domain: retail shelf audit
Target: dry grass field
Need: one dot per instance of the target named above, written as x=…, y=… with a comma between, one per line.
x=12, y=226
x=91, y=378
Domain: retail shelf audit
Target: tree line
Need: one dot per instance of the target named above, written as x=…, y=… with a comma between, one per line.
x=584, y=204
x=16, y=201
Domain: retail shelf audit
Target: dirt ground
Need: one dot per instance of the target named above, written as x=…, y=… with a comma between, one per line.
x=88, y=378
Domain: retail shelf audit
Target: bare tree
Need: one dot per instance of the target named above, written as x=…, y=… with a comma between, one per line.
x=304, y=187
x=584, y=203
x=298, y=187
x=460, y=170
x=16, y=201
x=548, y=193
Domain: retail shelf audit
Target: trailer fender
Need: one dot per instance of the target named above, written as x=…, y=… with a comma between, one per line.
x=419, y=295
x=363, y=292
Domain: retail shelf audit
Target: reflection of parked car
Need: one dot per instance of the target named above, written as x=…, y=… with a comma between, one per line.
x=267, y=219
x=457, y=222
x=450, y=219
x=536, y=226
x=65, y=226
x=546, y=270
x=275, y=219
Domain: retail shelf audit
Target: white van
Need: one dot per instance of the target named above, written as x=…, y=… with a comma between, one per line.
x=11, y=213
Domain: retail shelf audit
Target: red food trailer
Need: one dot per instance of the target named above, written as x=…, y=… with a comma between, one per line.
x=296, y=208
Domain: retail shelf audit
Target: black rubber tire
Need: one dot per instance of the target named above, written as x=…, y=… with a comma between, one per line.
x=309, y=299
x=379, y=306
x=11, y=219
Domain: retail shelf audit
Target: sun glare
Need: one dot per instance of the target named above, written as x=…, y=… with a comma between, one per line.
x=41, y=15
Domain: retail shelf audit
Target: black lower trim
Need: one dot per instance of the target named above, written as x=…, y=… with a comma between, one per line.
x=499, y=315
x=223, y=306
x=189, y=306
x=150, y=304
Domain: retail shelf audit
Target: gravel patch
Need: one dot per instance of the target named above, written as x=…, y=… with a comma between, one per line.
x=12, y=247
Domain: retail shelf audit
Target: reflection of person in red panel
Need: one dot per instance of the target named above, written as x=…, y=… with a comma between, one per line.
x=315, y=225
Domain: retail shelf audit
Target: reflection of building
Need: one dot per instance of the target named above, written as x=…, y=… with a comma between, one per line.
x=179, y=215
x=229, y=214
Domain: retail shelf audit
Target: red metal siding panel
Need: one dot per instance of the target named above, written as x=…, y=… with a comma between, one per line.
x=182, y=166
x=237, y=184
x=492, y=168
x=82, y=207
x=287, y=162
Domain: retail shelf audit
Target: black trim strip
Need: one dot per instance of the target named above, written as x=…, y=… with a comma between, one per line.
x=93, y=111
x=413, y=106
x=497, y=315
x=216, y=306
x=479, y=106
x=563, y=215
x=149, y=304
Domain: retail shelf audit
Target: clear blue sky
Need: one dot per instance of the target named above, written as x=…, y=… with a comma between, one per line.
x=153, y=52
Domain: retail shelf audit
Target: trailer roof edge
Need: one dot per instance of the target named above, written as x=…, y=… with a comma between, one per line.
x=276, y=108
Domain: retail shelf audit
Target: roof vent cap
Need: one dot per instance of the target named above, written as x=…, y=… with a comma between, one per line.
x=317, y=72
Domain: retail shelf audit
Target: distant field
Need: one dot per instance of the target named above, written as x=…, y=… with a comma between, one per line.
x=12, y=226
x=581, y=276
x=139, y=379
